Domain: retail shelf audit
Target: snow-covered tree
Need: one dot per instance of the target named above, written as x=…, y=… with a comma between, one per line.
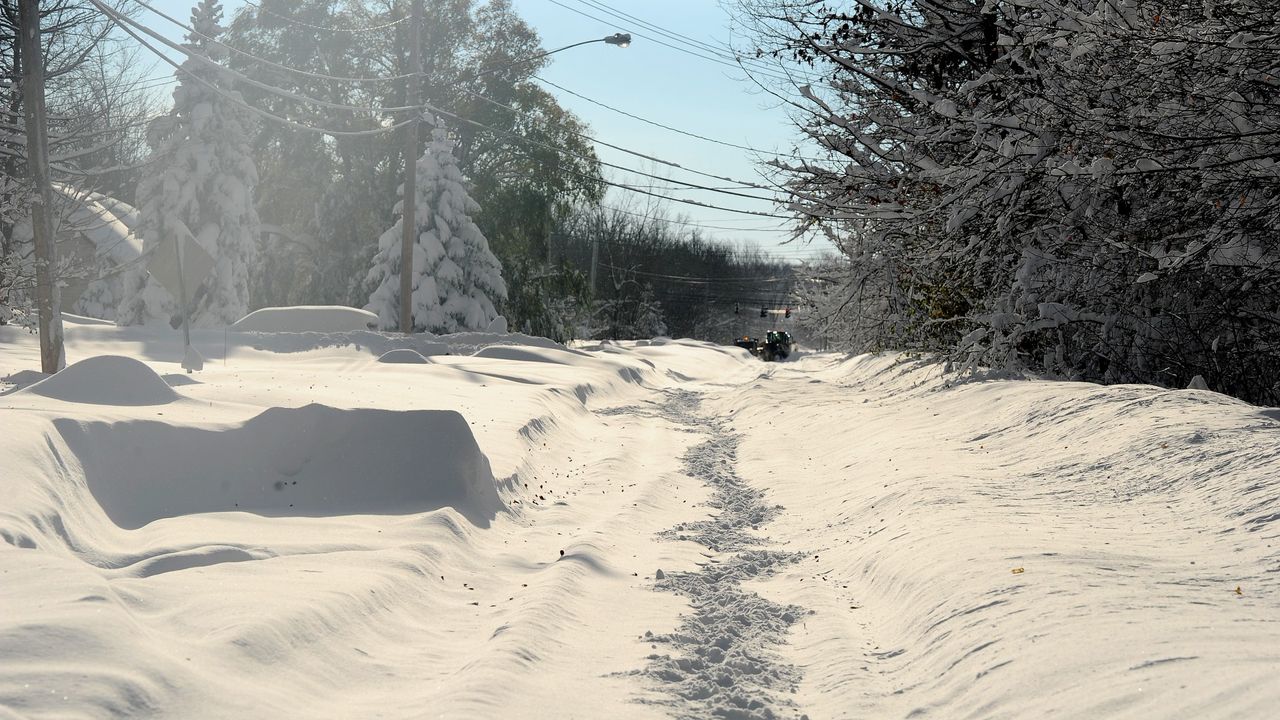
x=203, y=175
x=649, y=322
x=1088, y=188
x=456, y=281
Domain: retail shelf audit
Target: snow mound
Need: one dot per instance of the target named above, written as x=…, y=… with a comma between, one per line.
x=69, y=319
x=403, y=355
x=313, y=461
x=106, y=380
x=17, y=381
x=526, y=354
x=307, y=318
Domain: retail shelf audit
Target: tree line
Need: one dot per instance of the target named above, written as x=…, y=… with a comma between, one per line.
x=1083, y=187
x=326, y=197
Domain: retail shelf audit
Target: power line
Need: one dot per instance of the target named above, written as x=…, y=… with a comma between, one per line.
x=666, y=127
x=670, y=221
x=820, y=201
x=269, y=63
x=300, y=23
x=685, y=50
x=239, y=101
x=209, y=62
x=771, y=256
x=610, y=183
x=728, y=55
x=678, y=37
x=702, y=279
x=125, y=24
x=644, y=156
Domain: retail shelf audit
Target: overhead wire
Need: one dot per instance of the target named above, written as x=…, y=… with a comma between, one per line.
x=702, y=279
x=262, y=113
x=209, y=62
x=668, y=127
x=769, y=255
x=122, y=21
x=678, y=48
x=727, y=54
x=671, y=221
x=326, y=28
x=636, y=153
x=610, y=183
x=270, y=63
x=240, y=101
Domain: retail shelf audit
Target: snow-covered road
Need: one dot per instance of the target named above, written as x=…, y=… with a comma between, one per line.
x=631, y=531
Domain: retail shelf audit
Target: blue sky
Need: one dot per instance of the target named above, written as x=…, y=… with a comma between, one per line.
x=658, y=83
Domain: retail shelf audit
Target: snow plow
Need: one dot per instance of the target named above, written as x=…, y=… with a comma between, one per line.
x=776, y=346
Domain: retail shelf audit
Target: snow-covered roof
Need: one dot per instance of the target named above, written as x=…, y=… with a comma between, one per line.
x=106, y=222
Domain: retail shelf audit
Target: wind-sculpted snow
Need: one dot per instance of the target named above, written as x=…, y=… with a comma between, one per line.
x=724, y=662
x=977, y=548
x=106, y=380
x=312, y=461
x=403, y=356
x=307, y=318
x=1021, y=548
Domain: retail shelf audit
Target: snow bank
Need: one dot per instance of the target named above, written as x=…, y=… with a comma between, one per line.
x=106, y=380
x=313, y=461
x=997, y=548
x=69, y=319
x=307, y=318
x=512, y=352
x=403, y=356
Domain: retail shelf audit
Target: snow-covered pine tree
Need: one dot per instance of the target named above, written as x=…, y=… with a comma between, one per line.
x=457, y=280
x=203, y=175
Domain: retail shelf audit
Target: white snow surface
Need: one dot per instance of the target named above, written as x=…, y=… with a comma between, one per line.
x=675, y=529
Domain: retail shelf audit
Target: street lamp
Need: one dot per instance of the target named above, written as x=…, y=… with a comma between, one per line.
x=617, y=39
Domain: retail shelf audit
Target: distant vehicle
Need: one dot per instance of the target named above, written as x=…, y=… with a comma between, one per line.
x=749, y=344
x=776, y=346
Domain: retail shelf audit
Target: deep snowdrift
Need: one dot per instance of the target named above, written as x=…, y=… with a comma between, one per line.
x=481, y=535
x=312, y=461
x=992, y=548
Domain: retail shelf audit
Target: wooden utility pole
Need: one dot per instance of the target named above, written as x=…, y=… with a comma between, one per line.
x=47, y=294
x=409, y=214
x=595, y=260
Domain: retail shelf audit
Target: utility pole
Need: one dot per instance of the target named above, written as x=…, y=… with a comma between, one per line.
x=595, y=261
x=48, y=297
x=409, y=214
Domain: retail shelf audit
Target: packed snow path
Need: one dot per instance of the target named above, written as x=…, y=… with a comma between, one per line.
x=480, y=534
x=725, y=662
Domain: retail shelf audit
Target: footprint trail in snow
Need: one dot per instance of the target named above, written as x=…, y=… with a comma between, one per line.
x=722, y=661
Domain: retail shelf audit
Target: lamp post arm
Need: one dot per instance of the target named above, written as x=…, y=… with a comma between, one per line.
x=619, y=39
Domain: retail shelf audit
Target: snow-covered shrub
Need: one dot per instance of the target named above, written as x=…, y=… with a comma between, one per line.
x=457, y=282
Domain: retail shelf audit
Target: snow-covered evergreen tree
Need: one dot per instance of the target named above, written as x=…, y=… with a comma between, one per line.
x=457, y=280
x=203, y=175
